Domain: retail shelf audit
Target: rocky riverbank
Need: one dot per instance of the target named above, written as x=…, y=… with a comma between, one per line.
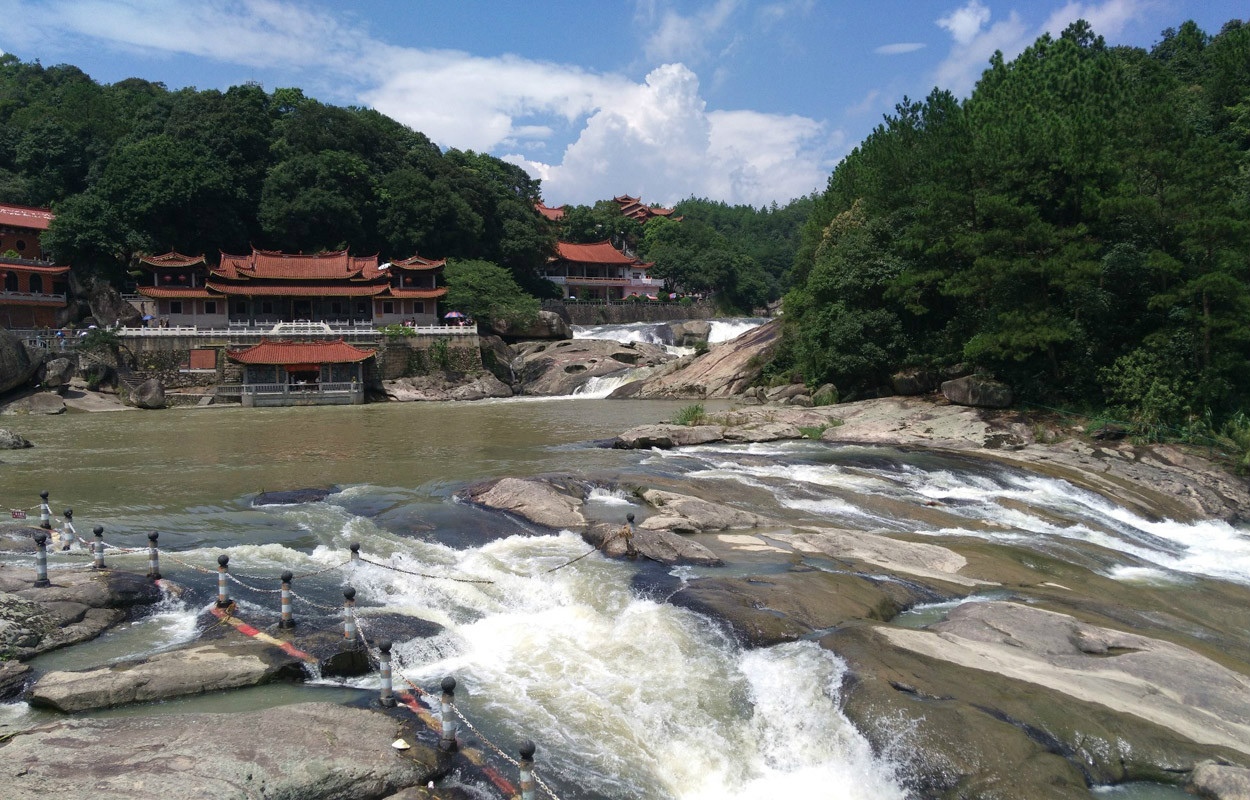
x=1037, y=676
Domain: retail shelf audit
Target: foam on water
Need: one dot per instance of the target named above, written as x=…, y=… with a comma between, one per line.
x=613, y=497
x=725, y=329
x=557, y=657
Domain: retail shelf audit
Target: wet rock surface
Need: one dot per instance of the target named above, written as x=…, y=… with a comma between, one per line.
x=560, y=368
x=313, y=751
x=724, y=371
x=150, y=395
x=535, y=500
x=47, y=403
x=666, y=436
x=17, y=364
x=13, y=441
x=446, y=386
x=292, y=497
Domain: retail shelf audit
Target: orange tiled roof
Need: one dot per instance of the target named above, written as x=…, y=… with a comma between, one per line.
x=416, y=294
x=552, y=213
x=176, y=292
x=295, y=266
x=172, y=259
x=344, y=289
x=7, y=265
x=25, y=216
x=596, y=253
x=280, y=352
x=418, y=262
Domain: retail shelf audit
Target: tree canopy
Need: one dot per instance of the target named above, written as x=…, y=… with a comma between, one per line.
x=1080, y=226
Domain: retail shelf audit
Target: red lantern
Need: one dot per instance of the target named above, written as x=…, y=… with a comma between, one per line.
x=182, y=279
x=168, y=278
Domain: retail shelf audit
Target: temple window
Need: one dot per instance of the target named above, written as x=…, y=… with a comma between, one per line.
x=210, y=306
x=266, y=307
x=240, y=307
x=418, y=307
x=10, y=282
x=36, y=284
x=21, y=245
x=388, y=307
x=175, y=307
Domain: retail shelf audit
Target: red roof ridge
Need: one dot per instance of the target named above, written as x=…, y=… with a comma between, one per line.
x=287, y=351
x=168, y=259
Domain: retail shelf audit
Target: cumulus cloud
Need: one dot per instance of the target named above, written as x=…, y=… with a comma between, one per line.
x=655, y=137
x=661, y=142
x=898, y=48
x=974, y=43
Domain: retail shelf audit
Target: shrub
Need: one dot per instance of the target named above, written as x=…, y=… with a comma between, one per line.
x=812, y=431
x=397, y=331
x=690, y=415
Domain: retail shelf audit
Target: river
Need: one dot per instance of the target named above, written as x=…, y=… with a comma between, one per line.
x=625, y=695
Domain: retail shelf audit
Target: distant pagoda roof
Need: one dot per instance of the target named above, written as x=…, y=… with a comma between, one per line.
x=172, y=259
x=271, y=264
x=418, y=262
x=634, y=208
x=287, y=352
x=552, y=213
x=30, y=217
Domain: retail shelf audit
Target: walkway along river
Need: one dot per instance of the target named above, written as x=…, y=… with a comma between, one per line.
x=626, y=695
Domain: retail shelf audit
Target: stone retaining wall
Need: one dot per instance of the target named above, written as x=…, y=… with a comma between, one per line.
x=613, y=314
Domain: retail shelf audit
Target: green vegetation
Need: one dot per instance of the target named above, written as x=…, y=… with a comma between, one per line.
x=397, y=331
x=1079, y=226
x=485, y=291
x=133, y=167
x=693, y=414
x=812, y=431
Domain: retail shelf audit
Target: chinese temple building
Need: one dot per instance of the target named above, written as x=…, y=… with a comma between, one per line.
x=268, y=287
x=34, y=289
x=599, y=271
x=634, y=208
x=279, y=373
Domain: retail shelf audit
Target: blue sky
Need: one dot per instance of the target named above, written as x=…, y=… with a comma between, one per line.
x=747, y=102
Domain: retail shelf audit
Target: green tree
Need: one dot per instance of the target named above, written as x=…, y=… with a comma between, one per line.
x=486, y=291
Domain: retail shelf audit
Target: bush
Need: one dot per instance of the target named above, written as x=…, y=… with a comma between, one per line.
x=690, y=415
x=397, y=331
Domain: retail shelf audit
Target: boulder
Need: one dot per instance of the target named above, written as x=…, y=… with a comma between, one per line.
x=561, y=368
x=666, y=436
x=663, y=546
x=691, y=333
x=109, y=309
x=977, y=391
x=203, y=667
x=78, y=606
x=480, y=388
x=548, y=325
x=47, y=403
x=293, y=497
x=442, y=386
x=723, y=371
x=894, y=555
x=912, y=382
x=13, y=677
x=150, y=394
x=13, y=441
x=97, y=373
x=762, y=432
x=17, y=364
x=826, y=395
x=497, y=356
x=780, y=393
x=57, y=373
x=769, y=609
x=680, y=512
x=1220, y=781
x=535, y=500
x=313, y=751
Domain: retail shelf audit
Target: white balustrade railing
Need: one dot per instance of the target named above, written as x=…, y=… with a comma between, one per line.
x=38, y=297
x=338, y=387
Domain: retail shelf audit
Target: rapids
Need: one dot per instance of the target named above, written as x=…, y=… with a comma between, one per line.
x=625, y=695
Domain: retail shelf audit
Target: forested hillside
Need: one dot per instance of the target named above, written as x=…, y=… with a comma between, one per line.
x=133, y=167
x=1079, y=226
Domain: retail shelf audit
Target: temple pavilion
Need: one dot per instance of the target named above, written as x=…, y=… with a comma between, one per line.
x=302, y=373
x=598, y=271
x=634, y=208
x=266, y=286
x=34, y=289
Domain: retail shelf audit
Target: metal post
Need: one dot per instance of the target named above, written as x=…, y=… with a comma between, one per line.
x=386, y=697
x=45, y=511
x=287, y=621
x=68, y=534
x=349, y=614
x=447, y=736
x=355, y=548
x=223, y=587
x=630, y=550
x=527, y=769
x=154, y=558
x=99, y=546
x=41, y=559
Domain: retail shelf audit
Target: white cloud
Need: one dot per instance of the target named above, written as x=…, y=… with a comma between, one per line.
x=680, y=37
x=973, y=47
x=898, y=48
x=655, y=137
x=865, y=105
x=660, y=142
x=965, y=23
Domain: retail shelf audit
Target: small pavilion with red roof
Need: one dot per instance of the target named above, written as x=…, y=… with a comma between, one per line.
x=32, y=289
x=634, y=208
x=267, y=286
x=598, y=271
x=302, y=373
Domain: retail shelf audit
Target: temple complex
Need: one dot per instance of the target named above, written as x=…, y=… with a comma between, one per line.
x=555, y=214
x=34, y=289
x=599, y=271
x=266, y=287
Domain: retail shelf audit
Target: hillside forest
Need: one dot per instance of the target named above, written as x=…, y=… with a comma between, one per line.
x=1079, y=227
